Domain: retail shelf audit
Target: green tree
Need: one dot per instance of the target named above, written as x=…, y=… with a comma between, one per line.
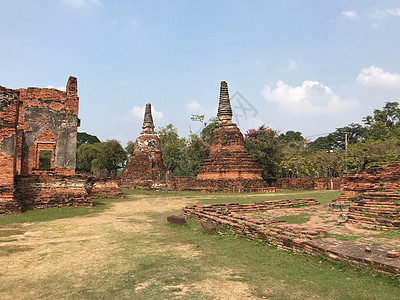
x=336, y=139
x=291, y=136
x=265, y=147
x=373, y=153
x=192, y=157
x=172, y=146
x=209, y=128
x=293, y=152
x=130, y=147
x=85, y=155
x=104, y=155
x=384, y=123
x=85, y=138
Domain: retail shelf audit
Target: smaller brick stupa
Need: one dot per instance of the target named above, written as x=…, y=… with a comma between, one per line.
x=229, y=167
x=145, y=168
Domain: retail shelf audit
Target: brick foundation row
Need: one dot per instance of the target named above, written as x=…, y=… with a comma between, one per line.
x=43, y=191
x=292, y=237
x=374, y=196
x=321, y=183
x=222, y=186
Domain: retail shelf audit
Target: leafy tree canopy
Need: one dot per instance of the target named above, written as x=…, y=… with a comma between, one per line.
x=130, y=147
x=265, y=147
x=192, y=157
x=172, y=146
x=104, y=155
x=85, y=138
x=336, y=139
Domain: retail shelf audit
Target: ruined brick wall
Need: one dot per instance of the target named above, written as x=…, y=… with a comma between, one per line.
x=8, y=134
x=35, y=121
x=40, y=191
x=374, y=195
x=107, y=187
x=296, y=238
x=228, y=168
x=228, y=158
x=386, y=178
x=321, y=183
x=218, y=185
x=145, y=167
x=48, y=120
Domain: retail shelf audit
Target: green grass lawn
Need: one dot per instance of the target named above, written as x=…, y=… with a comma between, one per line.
x=55, y=213
x=126, y=250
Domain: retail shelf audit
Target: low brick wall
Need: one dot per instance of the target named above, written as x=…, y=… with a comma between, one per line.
x=320, y=183
x=295, y=238
x=40, y=191
x=104, y=188
x=51, y=190
x=374, y=196
x=7, y=202
x=225, y=186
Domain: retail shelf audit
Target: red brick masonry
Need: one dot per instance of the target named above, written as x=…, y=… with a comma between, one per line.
x=35, y=121
x=292, y=237
x=374, y=196
x=320, y=183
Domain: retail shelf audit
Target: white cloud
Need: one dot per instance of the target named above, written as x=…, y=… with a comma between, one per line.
x=81, y=3
x=138, y=112
x=310, y=97
x=193, y=106
x=60, y=88
x=292, y=66
x=382, y=14
x=375, y=76
x=350, y=14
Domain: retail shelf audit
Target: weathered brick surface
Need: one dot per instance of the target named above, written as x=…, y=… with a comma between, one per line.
x=320, y=183
x=228, y=167
x=107, y=187
x=228, y=158
x=8, y=134
x=145, y=168
x=297, y=238
x=32, y=120
x=221, y=185
x=48, y=120
x=177, y=220
x=374, y=196
x=40, y=191
x=208, y=225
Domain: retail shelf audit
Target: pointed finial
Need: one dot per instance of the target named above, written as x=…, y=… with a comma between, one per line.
x=224, y=107
x=148, y=125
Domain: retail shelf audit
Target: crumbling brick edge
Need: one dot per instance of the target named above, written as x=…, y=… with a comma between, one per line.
x=294, y=238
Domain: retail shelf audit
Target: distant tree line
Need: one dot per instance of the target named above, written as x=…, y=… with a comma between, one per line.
x=373, y=143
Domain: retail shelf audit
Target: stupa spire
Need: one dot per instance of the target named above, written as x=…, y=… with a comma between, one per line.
x=224, y=107
x=148, y=125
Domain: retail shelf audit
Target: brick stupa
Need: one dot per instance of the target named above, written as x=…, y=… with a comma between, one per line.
x=229, y=167
x=145, y=168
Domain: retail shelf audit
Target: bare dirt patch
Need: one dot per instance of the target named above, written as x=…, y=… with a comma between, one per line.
x=47, y=259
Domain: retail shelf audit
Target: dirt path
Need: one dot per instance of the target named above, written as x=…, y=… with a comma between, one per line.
x=106, y=256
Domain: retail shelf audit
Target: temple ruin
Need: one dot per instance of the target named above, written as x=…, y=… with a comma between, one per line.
x=145, y=168
x=229, y=167
x=372, y=196
x=38, y=135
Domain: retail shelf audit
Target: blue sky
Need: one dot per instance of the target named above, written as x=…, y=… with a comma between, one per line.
x=309, y=66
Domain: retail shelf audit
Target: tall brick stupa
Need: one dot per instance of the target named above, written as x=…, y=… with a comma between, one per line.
x=145, y=168
x=229, y=166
